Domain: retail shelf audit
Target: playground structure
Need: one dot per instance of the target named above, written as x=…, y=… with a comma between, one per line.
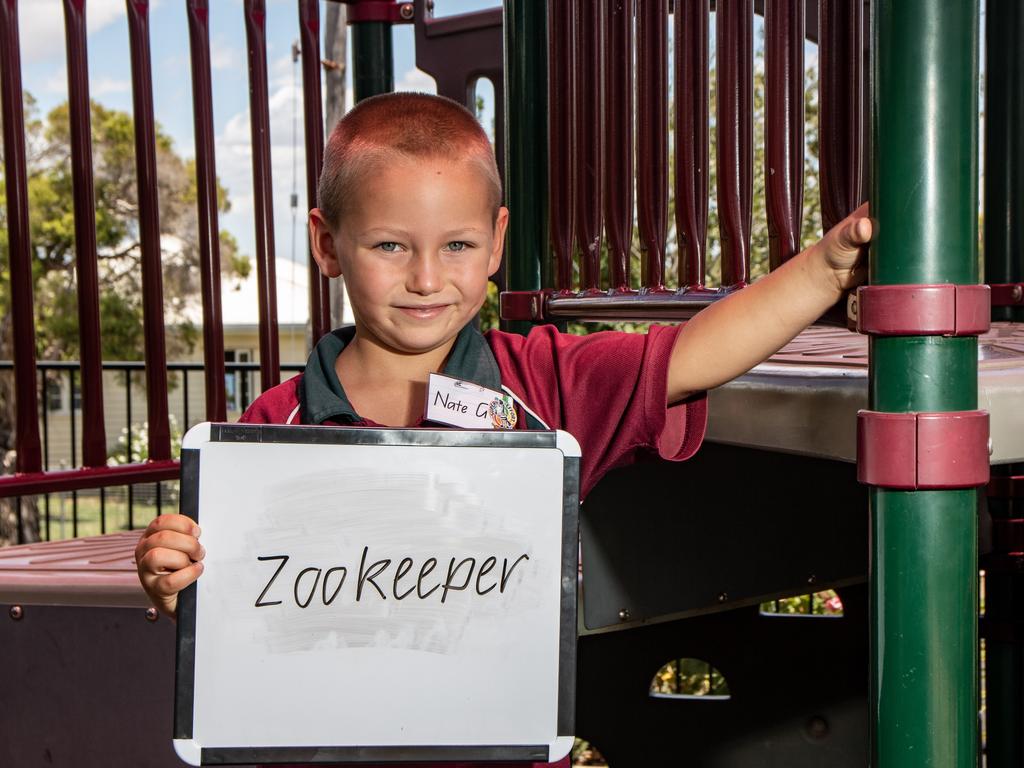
x=677, y=558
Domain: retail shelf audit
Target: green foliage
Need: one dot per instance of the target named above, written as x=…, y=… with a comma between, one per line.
x=52, y=233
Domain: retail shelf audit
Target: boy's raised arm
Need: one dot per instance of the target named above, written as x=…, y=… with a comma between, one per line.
x=733, y=335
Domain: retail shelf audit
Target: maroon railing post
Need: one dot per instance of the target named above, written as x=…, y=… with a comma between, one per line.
x=263, y=200
x=561, y=149
x=589, y=149
x=784, y=126
x=29, y=455
x=691, y=139
x=734, y=27
x=94, y=439
x=149, y=231
x=618, y=186
x=840, y=51
x=312, y=110
x=206, y=203
x=652, y=138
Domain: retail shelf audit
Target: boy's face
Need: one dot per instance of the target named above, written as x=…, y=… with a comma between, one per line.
x=416, y=245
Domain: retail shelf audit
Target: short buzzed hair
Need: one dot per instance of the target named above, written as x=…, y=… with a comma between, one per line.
x=393, y=126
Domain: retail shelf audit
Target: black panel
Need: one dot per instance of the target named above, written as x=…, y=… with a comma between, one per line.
x=732, y=526
x=447, y=438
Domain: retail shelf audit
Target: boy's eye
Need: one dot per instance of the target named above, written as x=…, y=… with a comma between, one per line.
x=388, y=246
x=457, y=246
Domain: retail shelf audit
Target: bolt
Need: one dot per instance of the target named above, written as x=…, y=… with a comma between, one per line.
x=723, y=597
x=1017, y=294
x=16, y=612
x=812, y=579
x=817, y=727
x=624, y=614
x=151, y=614
x=405, y=11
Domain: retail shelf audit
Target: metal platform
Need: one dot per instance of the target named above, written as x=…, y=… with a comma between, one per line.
x=804, y=400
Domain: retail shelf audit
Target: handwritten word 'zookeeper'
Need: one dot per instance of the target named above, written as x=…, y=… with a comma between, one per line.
x=377, y=580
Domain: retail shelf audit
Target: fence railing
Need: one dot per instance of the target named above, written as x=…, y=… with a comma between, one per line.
x=124, y=500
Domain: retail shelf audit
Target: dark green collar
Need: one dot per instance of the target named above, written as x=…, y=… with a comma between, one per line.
x=323, y=398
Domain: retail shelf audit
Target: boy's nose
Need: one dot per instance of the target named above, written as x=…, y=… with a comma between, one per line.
x=424, y=275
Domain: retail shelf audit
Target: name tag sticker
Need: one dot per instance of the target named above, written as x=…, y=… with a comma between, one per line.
x=465, y=404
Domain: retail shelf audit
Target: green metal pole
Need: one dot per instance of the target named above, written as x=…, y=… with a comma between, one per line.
x=1004, y=150
x=526, y=145
x=924, y=544
x=373, y=61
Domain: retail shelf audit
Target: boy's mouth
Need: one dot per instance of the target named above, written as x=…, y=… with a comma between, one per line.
x=425, y=312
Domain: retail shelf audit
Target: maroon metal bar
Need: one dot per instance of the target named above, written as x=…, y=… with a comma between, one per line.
x=561, y=197
x=29, y=453
x=784, y=127
x=149, y=231
x=618, y=99
x=206, y=203
x=691, y=139
x=94, y=439
x=840, y=52
x=734, y=27
x=652, y=138
x=33, y=483
x=312, y=110
x=588, y=146
x=263, y=199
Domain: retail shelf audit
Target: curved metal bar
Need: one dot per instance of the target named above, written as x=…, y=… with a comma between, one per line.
x=560, y=141
x=618, y=99
x=588, y=148
x=149, y=231
x=784, y=127
x=652, y=138
x=691, y=139
x=840, y=49
x=206, y=204
x=312, y=110
x=29, y=454
x=734, y=26
x=263, y=188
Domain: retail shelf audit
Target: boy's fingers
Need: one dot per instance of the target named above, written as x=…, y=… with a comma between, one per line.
x=182, y=542
x=173, y=522
x=173, y=583
x=159, y=562
x=853, y=233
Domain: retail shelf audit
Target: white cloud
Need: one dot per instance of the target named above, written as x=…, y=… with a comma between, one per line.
x=416, y=80
x=224, y=56
x=41, y=25
x=57, y=82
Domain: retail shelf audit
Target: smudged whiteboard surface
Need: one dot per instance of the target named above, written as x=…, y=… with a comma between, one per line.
x=477, y=669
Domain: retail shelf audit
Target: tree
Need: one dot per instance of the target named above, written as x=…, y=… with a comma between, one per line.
x=53, y=245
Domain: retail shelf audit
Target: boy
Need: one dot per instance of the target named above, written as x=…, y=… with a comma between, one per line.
x=410, y=214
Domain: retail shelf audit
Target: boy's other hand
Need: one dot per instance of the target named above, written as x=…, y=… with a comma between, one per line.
x=169, y=558
x=843, y=249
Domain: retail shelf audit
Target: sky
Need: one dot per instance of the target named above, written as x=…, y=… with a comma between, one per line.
x=44, y=73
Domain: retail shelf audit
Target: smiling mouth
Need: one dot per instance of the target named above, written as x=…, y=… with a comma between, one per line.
x=425, y=312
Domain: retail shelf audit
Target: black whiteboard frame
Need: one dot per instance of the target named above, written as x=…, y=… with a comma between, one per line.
x=184, y=690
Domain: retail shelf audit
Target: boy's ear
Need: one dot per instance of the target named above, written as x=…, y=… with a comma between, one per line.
x=500, y=225
x=323, y=244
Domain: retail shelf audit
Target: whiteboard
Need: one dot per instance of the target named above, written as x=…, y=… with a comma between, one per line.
x=378, y=595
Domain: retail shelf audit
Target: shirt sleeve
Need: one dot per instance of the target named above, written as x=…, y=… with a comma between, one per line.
x=607, y=389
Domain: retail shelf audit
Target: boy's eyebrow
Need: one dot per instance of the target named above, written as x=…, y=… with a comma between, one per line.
x=405, y=233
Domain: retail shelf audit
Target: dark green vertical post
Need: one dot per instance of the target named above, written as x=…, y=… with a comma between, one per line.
x=373, y=61
x=1004, y=148
x=526, y=144
x=924, y=544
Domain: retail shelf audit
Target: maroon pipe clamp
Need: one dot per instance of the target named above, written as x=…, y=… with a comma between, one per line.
x=921, y=451
x=920, y=310
x=388, y=11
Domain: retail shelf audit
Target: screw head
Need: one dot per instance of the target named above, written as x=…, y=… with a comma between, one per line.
x=624, y=614
x=16, y=612
x=812, y=579
x=406, y=11
x=817, y=727
x=1017, y=293
x=152, y=614
x=723, y=597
